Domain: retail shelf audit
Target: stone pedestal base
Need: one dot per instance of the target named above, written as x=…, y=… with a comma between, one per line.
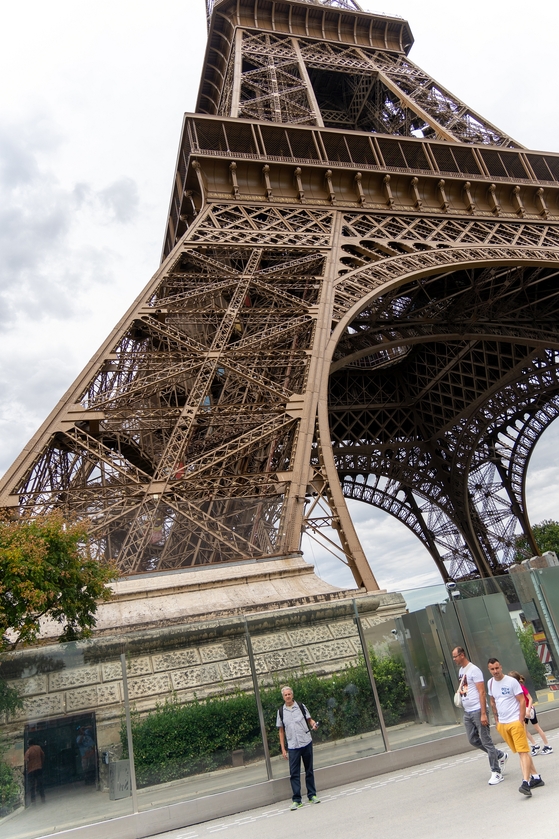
x=149, y=601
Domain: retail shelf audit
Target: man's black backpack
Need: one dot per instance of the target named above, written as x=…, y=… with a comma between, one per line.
x=303, y=709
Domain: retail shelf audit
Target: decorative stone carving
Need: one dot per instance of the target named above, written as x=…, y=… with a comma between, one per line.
x=174, y=660
x=237, y=667
x=149, y=685
x=212, y=652
x=290, y=659
x=310, y=635
x=342, y=629
x=73, y=677
x=195, y=676
x=82, y=698
x=111, y=670
x=333, y=650
x=235, y=648
x=108, y=694
x=273, y=641
x=42, y=706
x=32, y=686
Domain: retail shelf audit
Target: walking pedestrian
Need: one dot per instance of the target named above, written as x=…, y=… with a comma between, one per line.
x=532, y=717
x=509, y=709
x=476, y=721
x=34, y=759
x=294, y=724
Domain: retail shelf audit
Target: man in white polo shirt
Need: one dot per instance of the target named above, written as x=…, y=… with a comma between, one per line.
x=295, y=723
x=509, y=709
x=476, y=722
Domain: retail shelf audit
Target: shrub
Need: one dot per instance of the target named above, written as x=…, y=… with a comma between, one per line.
x=530, y=652
x=9, y=788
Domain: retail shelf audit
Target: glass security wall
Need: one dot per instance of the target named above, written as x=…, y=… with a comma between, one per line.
x=94, y=730
x=318, y=651
x=194, y=717
x=61, y=708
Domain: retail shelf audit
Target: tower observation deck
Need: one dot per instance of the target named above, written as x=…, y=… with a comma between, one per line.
x=357, y=299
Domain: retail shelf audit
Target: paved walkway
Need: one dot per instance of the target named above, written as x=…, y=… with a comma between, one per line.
x=75, y=804
x=432, y=801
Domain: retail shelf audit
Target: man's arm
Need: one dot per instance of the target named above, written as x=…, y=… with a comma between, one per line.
x=312, y=723
x=282, y=741
x=522, y=705
x=483, y=702
x=493, y=706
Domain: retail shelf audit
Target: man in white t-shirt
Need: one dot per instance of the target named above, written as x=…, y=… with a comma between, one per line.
x=509, y=709
x=476, y=722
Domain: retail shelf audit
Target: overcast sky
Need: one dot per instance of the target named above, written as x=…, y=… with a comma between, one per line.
x=91, y=104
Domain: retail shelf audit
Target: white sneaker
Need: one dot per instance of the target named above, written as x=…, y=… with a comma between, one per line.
x=495, y=778
x=534, y=750
x=503, y=761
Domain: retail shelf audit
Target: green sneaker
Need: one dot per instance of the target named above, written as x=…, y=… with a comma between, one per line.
x=314, y=799
x=296, y=805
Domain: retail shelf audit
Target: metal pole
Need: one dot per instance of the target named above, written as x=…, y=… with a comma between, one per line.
x=383, y=730
x=455, y=605
x=258, y=703
x=552, y=632
x=129, y=734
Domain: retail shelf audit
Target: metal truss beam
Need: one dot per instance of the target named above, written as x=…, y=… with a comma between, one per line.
x=367, y=313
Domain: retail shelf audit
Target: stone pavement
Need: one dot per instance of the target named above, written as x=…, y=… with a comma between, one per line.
x=432, y=801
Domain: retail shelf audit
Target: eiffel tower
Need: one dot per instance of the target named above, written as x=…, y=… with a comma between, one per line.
x=358, y=299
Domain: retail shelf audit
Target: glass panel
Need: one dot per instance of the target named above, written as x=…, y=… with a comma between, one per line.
x=317, y=651
x=59, y=728
x=418, y=598
x=512, y=617
x=543, y=620
x=427, y=656
x=195, y=723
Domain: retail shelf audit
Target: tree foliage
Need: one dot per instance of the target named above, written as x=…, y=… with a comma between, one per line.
x=9, y=787
x=47, y=571
x=530, y=652
x=546, y=534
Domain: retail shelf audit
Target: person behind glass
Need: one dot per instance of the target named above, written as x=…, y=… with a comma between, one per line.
x=294, y=725
x=532, y=717
x=86, y=746
x=34, y=758
x=476, y=721
x=509, y=709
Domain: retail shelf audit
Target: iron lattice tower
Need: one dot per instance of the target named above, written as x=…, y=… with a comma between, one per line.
x=358, y=298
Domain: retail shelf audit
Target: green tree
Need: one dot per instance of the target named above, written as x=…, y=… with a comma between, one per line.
x=46, y=571
x=9, y=788
x=546, y=534
x=530, y=653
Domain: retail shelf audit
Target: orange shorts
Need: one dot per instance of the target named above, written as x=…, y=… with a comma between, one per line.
x=514, y=735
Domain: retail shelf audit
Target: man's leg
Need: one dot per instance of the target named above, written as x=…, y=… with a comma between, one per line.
x=480, y=738
x=40, y=786
x=527, y=765
x=32, y=776
x=295, y=773
x=493, y=753
x=307, y=755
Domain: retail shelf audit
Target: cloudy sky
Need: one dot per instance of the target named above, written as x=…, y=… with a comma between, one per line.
x=91, y=104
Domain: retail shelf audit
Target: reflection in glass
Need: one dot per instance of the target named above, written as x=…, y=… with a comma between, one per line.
x=58, y=722
x=194, y=717
x=317, y=651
